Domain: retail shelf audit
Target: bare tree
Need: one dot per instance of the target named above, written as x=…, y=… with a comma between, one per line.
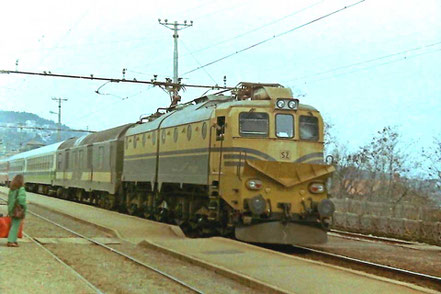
x=433, y=157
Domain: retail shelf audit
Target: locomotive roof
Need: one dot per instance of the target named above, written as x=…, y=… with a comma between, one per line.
x=201, y=111
x=257, y=103
x=148, y=126
x=36, y=152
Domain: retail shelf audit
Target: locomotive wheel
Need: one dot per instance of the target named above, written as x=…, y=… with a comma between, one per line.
x=132, y=209
x=147, y=213
x=106, y=201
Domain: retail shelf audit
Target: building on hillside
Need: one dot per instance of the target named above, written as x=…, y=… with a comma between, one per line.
x=32, y=144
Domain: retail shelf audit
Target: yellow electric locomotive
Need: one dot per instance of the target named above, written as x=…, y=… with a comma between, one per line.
x=250, y=163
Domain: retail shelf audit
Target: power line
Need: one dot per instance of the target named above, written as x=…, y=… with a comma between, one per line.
x=274, y=37
x=197, y=61
x=404, y=58
x=239, y=35
x=365, y=61
x=105, y=108
x=134, y=81
x=47, y=129
x=257, y=28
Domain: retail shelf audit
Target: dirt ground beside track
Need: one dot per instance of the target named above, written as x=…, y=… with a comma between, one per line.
x=106, y=270
x=425, y=259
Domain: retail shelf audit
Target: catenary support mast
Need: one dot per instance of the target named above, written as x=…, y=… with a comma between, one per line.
x=60, y=100
x=175, y=27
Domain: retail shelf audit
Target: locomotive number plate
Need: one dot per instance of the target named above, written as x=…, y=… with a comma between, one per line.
x=286, y=155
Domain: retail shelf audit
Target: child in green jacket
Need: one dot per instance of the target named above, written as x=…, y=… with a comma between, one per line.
x=17, y=194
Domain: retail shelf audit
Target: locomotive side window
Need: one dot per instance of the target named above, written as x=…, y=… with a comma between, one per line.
x=309, y=128
x=253, y=124
x=284, y=125
x=189, y=132
x=220, y=128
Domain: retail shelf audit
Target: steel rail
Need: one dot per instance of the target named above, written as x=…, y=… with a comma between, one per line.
x=134, y=260
x=362, y=237
x=373, y=264
x=76, y=273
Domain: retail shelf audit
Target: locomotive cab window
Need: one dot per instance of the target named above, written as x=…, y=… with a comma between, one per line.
x=284, y=125
x=309, y=128
x=253, y=124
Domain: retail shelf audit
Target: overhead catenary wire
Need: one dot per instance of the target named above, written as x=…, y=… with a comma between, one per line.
x=274, y=37
x=46, y=129
x=405, y=58
x=113, y=80
x=113, y=104
x=366, y=61
x=257, y=28
x=197, y=61
x=234, y=37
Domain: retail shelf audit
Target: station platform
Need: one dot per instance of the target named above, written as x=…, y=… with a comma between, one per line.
x=272, y=271
x=28, y=269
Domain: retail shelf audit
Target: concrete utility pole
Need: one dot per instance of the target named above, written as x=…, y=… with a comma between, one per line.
x=59, y=116
x=175, y=27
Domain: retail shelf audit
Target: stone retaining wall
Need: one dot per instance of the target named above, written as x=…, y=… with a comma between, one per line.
x=403, y=221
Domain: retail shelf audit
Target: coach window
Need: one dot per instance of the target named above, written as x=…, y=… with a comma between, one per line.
x=253, y=124
x=100, y=157
x=75, y=159
x=81, y=159
x=67, y=160
x=284, y=125
x=60, y=160
x=309, y=128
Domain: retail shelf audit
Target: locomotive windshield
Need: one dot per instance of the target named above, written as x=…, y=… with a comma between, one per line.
x=309, y=128
x=253, y=124
x=284, y=125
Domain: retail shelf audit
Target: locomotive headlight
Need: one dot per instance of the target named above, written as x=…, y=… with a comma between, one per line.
x=326, y=208
x=317, y=188
x=292, y=104
x=280, y=103
x=257, y=204
x=254, y=184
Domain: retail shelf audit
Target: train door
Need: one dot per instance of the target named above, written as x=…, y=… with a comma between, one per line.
x=217, y=137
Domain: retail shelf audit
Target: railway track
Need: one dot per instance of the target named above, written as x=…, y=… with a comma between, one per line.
x=102, y=245
x=413, y=274
x=362, y=237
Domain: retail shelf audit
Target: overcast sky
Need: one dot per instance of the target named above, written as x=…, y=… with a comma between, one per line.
x=103, y=37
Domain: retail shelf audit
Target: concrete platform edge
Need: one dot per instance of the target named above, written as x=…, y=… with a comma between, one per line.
x=361, y=273
x=111, y=231
x=243, y=279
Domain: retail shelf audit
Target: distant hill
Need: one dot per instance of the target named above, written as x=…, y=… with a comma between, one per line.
x=13, y=139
